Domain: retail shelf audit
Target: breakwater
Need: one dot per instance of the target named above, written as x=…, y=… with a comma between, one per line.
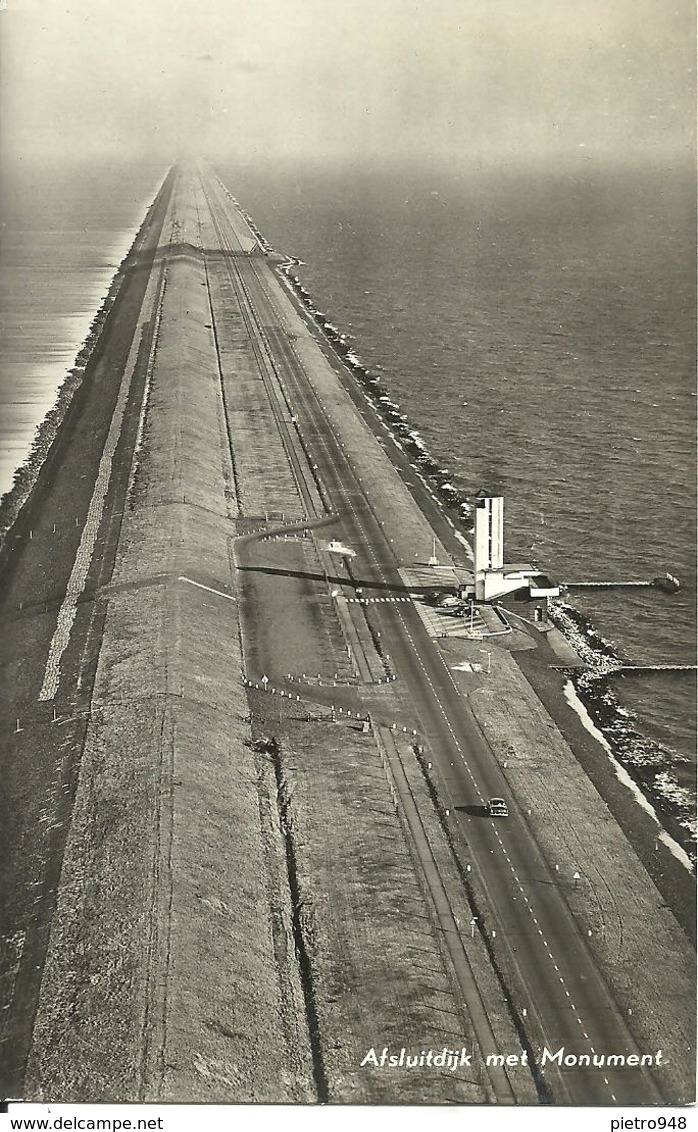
x=651, y=764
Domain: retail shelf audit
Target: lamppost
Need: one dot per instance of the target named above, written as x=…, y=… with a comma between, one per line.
x=470, y=612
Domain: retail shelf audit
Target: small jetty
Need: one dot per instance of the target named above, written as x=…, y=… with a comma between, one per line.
x=637, y=669
x=667, y=583
x=609, y=671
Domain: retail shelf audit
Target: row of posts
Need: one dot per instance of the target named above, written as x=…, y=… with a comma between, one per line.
x=77, y=524
x=18, y=728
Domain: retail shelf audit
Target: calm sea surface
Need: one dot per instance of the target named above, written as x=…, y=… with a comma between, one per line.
x=65, y=229
x=538, y=329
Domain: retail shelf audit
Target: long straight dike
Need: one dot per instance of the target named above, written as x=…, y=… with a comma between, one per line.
x=152, y=941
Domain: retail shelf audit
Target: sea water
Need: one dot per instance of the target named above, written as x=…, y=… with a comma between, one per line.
x=65, y=229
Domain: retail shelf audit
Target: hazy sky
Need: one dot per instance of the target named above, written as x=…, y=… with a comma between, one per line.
x=455, y=79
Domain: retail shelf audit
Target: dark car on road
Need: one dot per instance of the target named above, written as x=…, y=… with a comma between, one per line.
x=497, y=808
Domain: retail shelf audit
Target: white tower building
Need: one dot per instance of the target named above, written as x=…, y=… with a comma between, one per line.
x=489, y=538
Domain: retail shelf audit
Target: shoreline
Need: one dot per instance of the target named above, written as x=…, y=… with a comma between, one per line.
x=48, y=429
x=648, y=762
x=36, y=570
x=577, y=705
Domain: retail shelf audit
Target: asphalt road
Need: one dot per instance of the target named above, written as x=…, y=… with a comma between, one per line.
x=568, y=1002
